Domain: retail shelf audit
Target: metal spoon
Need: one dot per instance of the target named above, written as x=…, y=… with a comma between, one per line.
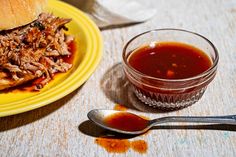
x=98, y=116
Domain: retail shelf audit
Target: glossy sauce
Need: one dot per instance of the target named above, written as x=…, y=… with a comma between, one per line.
x=114, y=145
x=122, y=145
x=139, y=146
x=126, y=121
x=169, y=60
x=72, y=50
x=119, y=107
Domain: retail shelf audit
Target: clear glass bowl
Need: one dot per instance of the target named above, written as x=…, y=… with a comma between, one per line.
x=170, y=94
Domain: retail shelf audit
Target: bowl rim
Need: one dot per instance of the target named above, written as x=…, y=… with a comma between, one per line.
x=208, y=71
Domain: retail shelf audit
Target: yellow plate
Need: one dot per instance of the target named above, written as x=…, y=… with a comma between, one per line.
x=88, y=54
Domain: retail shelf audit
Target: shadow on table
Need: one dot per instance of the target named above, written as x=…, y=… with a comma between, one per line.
x=91, y=129
x=25, y=118
x=116, y=87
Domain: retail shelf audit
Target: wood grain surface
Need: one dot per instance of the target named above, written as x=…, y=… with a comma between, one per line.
x=62, y=128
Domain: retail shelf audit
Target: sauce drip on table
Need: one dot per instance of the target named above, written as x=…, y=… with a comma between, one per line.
x=122, y=145
x=114, y=145
x=139, y=146
x=169, y=60
x=128, y=122
x=119, y=107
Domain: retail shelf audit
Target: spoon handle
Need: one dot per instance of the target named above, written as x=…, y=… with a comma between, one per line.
x=229, y=119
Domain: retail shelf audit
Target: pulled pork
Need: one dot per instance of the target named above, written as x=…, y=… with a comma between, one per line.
x=35, y=49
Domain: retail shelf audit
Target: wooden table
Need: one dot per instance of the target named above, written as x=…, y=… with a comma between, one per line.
x=62, y=129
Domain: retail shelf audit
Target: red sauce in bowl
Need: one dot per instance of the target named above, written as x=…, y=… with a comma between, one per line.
x=170, y=60
x=169, y=75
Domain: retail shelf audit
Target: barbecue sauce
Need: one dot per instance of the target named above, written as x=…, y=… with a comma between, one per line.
x=119, y=107
x=126, y=121
x=139, y=146
x=169, y=60
x=72, y=49
x=114, y=145
x=122, y=145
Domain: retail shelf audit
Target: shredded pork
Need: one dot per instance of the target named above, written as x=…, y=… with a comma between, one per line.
x=35, y=49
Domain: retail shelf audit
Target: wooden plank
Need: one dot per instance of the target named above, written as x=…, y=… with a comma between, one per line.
x=58, y=129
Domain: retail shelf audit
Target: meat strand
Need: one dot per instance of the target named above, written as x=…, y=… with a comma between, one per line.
x=37, y=48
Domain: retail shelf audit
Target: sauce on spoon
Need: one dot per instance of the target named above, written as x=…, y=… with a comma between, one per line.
x=126, y=121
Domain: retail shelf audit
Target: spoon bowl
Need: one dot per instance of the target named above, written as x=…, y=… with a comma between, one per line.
x=99, y=117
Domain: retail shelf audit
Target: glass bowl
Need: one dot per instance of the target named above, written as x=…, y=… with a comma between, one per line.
x=169, y=94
